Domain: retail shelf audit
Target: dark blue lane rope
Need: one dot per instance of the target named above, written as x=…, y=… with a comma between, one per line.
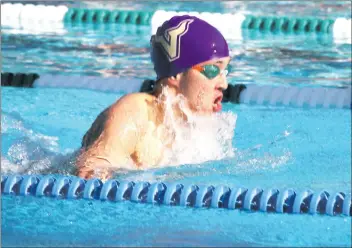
x=176, y=194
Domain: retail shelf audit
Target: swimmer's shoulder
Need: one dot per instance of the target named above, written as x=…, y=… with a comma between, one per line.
x=136, y=99
x=137, y=103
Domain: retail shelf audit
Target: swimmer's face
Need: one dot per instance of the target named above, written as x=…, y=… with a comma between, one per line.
x=204, y=89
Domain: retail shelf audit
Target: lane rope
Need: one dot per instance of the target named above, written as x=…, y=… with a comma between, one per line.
x=48, y=18
x=313, y=97
x=176, y=194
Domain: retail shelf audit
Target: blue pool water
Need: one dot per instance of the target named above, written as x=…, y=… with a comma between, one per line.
x=260, y=58
x=275, y=146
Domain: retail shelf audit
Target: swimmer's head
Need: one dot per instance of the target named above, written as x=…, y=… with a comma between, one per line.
x=185, y=41
x=192, y=56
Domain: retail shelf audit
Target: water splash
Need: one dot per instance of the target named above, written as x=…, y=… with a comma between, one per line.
x=30, y=152
x=204, y=145
x=196, y=138
x=12, y=122
x=271, y=155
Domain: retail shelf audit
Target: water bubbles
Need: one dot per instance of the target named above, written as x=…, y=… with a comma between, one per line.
x=286, y=133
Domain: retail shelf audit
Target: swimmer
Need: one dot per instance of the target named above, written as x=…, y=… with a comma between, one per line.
x=191, y=61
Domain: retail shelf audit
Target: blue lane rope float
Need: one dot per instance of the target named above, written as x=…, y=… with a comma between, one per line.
x=17, y=15
x=176, y=194
x=326, y=97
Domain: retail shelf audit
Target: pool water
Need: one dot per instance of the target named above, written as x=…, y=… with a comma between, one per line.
x=259, y=58
x=274, y=146
x=82, y=223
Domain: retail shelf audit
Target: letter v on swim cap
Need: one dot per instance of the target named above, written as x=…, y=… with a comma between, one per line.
x=184, y=41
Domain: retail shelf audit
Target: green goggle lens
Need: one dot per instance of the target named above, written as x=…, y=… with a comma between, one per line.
x=211, y=71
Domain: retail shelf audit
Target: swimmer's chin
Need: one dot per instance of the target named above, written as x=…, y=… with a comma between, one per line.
x=208, y=112
x=214, y=108
x=217, y=109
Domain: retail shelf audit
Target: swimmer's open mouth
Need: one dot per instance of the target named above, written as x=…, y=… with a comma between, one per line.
x=217, y=106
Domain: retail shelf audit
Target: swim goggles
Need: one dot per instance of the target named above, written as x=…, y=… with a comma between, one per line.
x=212, y=71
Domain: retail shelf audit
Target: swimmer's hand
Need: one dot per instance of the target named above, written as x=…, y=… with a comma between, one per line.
x=95, y=168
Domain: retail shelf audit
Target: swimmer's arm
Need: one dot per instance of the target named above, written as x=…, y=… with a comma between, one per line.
x=124, y=124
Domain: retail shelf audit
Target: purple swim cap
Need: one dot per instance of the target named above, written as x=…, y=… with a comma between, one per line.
x=184, y=41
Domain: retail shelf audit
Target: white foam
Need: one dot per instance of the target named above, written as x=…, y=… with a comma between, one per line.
x=201, y=138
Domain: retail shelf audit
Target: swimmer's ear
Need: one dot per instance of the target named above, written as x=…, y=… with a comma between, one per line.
x=175, y=80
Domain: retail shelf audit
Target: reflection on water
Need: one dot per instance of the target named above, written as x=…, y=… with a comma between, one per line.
x=122, y=50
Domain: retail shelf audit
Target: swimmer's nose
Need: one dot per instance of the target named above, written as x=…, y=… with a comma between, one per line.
x=222, y=83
